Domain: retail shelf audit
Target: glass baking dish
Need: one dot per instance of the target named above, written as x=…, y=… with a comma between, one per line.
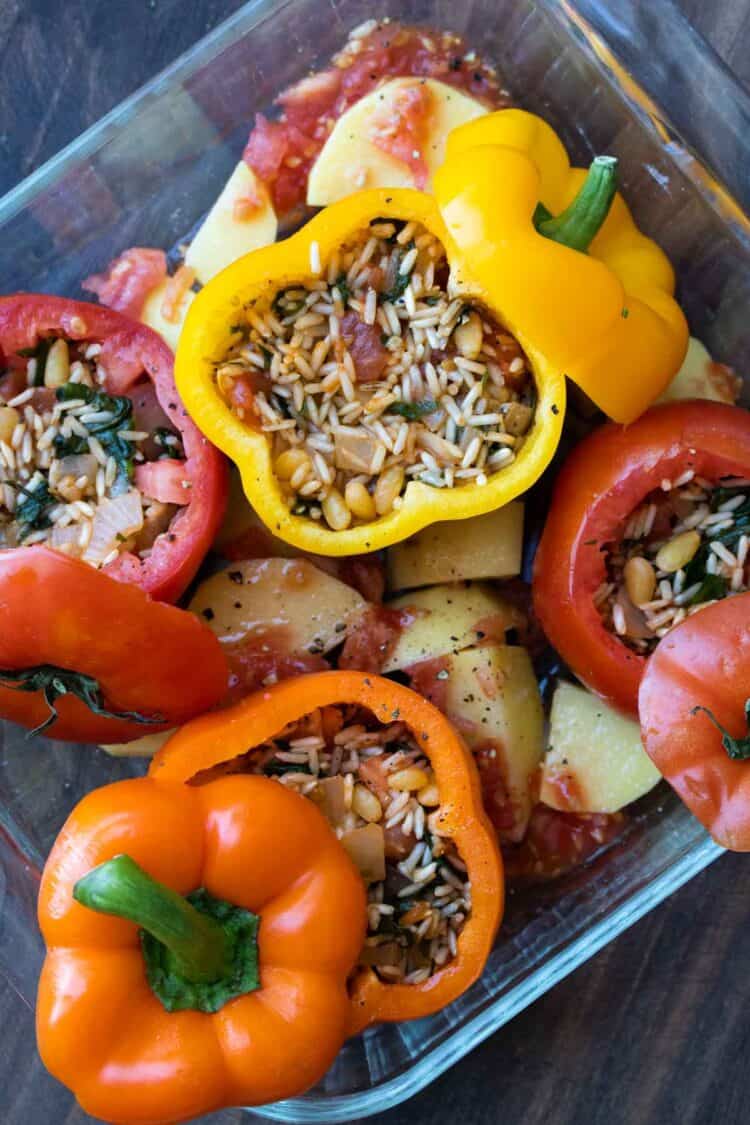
x=147, y=173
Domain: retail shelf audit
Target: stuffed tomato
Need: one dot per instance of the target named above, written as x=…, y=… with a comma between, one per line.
x=100, y=460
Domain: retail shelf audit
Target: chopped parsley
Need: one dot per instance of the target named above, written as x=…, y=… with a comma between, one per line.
x=32, y=513
x=107, y=432
x=39, y=352
x=413, y=411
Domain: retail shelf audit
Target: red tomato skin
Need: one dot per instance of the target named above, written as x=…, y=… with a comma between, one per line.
x=129, y=351
x=128, y=280
x=147, y=657
x=601, y=483
x=703, y=662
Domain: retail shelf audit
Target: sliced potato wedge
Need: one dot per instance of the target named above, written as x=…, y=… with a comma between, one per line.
x=242, y=219
x=444, y=620
x=152, y=314
x=595, y=761
x=493, y=697
x=701, y=377
x=284, y=604
x=487, y=546
x=350, y=160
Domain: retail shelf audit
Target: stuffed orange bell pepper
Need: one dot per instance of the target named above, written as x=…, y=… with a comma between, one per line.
x=198, y=946
x=402, y=359
x=402, y=792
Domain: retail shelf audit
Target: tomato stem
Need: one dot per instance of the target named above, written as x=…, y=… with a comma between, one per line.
x=582, y=219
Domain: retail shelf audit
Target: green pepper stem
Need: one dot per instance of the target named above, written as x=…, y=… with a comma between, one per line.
x=582, y=219
x=199, y=945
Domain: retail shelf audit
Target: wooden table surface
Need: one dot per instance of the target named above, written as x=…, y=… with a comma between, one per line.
x=655, y=1030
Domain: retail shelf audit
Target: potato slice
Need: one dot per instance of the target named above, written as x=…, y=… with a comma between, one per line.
x=486, y=546
x=225, y=235
x=152, y=314
x=144, y=747
x=349, y=160
x=448, y=619
x=286, y=604
x=595, y=761
x=701, y=377
x=493, y=697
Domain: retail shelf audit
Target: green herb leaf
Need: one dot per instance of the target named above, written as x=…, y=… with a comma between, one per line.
x=107, y=431
x=413, y=411
x=282, y=307
x=54, y=682
x=343, y=287
x=275, y=768
x=32, y=513
x=402, y=280
x=169, y=443
x=39, y=352
x=713, y=587
x=738, y=749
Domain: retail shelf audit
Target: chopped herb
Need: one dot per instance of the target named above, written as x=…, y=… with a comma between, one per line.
x=275, y=768
x=625, y=313
x=412, y=411
x=54, y=682
x=738, y=749
x=32, y=513
x=39, y=352
x=169, y=443
x=401, y=283
x=107, y=432
x=384, y=338
x=283, y=307
x=713, y=587
x=430, y=300
x=343, y=287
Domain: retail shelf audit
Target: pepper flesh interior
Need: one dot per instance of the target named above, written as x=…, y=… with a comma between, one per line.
x=377, y=789
x=375, y=375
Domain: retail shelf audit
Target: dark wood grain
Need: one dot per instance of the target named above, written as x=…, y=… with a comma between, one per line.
x=655, y=1029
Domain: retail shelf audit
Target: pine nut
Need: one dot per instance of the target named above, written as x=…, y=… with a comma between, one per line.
x=57, y=367
x=388, y=488
x=359, y=500
x=289, y=462
x=678, y=551
x=9, y=419
x=429, y=796
x=640, y=580
x=366, y=804
x=337, y=515
x=411, y=779
x=468, y=337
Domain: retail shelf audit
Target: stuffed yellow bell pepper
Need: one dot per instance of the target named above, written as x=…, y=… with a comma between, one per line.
x=402, y=358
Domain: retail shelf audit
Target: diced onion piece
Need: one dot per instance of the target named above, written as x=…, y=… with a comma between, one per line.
x=79, y=465
x=66, y=539
x=366, y=849
x=115, y=521
x=330, y=796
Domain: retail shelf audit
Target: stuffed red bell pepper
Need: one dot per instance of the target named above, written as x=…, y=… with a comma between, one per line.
x=98, y=457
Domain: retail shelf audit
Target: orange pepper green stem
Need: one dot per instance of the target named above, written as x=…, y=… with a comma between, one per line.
x=185, y=1004
x=219, y=738
x=200, y=952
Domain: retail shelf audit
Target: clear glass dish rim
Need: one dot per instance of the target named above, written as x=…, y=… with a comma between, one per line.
x=345, y=1107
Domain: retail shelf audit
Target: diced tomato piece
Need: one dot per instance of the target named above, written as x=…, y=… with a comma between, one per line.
x=167, y=481
x=128, y=280
x=401, y=130
x=266, y=147
x=177, y=286
x=430, y=679
x=363, y=342
x=556, y=841
x=368, y=647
